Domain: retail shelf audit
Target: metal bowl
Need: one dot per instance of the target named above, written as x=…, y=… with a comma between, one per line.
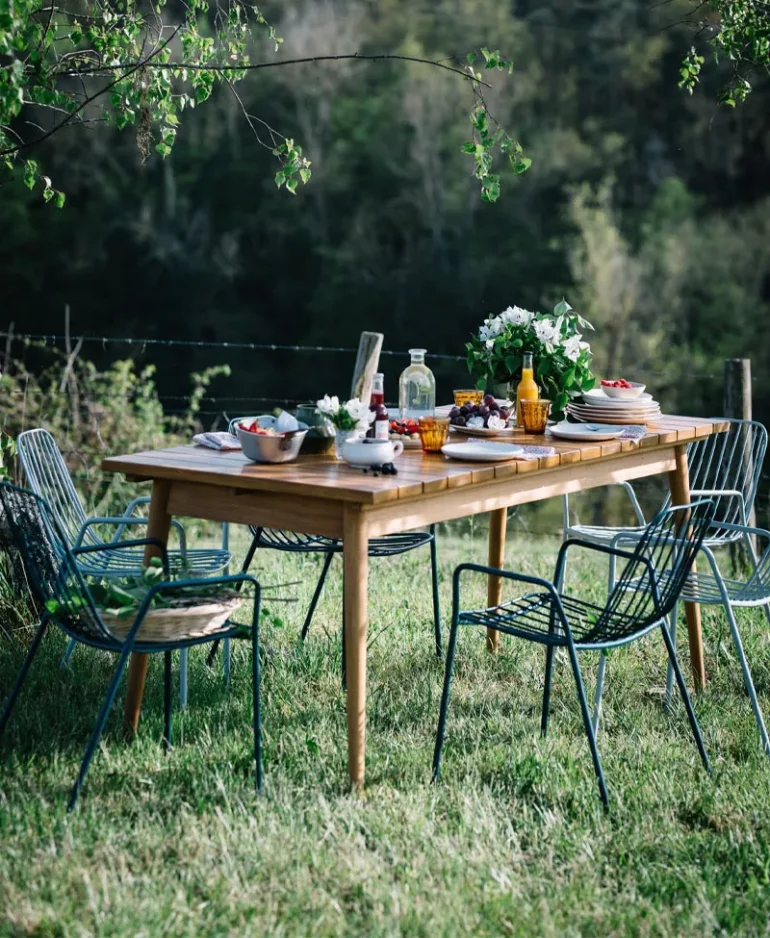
x=270, y=449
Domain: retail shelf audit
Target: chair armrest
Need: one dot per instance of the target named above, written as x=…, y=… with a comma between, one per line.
x=724, y=493
x=122, y=522
x=123, y=545
x=507, y=575
x=629, y=489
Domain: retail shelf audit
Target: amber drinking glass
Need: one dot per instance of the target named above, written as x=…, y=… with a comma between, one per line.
x=468, y=396
x=433, y=433
x=534, y=415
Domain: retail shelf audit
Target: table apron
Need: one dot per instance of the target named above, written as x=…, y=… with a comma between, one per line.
x=262, y=509
x=460, y=502
x=312, y=515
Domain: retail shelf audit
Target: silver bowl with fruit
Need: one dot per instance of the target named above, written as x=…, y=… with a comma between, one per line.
x=262, y=439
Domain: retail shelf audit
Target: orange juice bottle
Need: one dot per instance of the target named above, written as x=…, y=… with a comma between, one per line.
x=526, y=389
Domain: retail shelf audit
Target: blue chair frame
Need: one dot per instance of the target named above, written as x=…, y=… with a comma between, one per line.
x=58, y=585
x=640, y=602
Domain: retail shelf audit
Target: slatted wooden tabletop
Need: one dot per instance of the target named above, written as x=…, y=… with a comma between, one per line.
x=418, y=474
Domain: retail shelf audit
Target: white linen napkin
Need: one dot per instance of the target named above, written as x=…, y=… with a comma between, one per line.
x=220, y=441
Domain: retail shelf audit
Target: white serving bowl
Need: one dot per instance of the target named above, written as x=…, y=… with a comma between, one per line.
x=270, y=449
x=624, y=394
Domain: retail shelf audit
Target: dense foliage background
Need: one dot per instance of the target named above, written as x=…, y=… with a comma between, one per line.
x=646, y=207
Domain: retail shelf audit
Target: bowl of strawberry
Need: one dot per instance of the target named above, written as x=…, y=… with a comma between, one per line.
x=270, y=439
x=623, y=390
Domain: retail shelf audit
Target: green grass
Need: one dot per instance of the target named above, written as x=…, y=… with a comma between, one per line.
x=512, y=841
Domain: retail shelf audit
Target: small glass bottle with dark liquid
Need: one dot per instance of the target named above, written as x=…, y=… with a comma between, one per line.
x=378, y=429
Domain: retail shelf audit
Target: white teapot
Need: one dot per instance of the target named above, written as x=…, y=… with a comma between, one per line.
x=365, y=452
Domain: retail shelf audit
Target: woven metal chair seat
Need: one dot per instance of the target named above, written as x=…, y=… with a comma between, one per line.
x=531, y=616
x=117, y=563
x=388, y=546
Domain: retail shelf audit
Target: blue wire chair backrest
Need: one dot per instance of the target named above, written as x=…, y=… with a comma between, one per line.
x=47, y=475
x=726, y=468
x=52, y=574
x=653, y=578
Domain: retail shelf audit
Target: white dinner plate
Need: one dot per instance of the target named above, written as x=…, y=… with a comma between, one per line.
x=483, y=451
x=581, y=431
x=597, y=396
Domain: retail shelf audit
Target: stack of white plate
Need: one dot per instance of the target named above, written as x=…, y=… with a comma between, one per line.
x=597, y=407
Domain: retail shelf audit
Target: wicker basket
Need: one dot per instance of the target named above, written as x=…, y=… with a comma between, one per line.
x=192, y=618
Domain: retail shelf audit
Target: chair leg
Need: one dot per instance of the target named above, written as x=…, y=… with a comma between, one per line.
x=167, y=687
x=316, y=595
x=599, y=691
x=251, y=551
x=183, y=666
x=547, y=690
x=65, y=658
x=434, y=582
x=685, y=697
x=100, y=721
x=747, y=680
x=22, y=676
x=672, y=623
x=450, y=657
x=244, y=569
x=255, y=678
x=228, y=659
x=588, y=725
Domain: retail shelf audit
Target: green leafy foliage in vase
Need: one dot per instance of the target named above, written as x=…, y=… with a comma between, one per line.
x=562, y=359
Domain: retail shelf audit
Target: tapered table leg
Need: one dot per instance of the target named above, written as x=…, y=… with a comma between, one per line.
x=356, y=560
x=158, y=527
x=679, y=483
x=498, y=520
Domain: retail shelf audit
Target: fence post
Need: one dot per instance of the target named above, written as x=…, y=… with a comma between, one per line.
x=738, y=388
x=737, y=401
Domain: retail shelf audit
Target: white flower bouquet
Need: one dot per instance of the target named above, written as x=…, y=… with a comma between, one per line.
x=562, y=359
x=351, y=415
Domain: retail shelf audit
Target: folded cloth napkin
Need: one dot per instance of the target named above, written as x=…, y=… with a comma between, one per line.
x=634, y=432
x=220, y=441
x=536, y=452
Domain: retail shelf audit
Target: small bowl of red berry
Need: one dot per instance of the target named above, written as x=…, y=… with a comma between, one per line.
x=623, y=390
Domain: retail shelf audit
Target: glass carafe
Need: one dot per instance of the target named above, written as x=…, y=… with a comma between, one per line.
x=416, y=388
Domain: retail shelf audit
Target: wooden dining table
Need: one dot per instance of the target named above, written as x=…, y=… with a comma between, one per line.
x=320, y=495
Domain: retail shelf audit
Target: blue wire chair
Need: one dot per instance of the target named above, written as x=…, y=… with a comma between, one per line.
x=58, y=586
x=641, y=600
x=713, y=588
x=725, y=468
x=48, y=476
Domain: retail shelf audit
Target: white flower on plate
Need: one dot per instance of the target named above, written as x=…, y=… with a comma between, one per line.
x=475, y=422
x=517, y=316
x=496, y=423
x=328, y=406
x=545, y=330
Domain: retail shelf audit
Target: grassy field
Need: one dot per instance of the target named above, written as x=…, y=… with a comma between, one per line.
x=512, y=841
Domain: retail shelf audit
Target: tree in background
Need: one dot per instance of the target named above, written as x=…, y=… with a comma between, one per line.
x=142, y=63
